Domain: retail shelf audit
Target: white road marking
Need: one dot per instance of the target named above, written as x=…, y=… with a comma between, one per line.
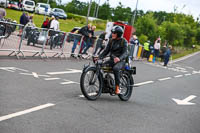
x=65, y=72
x=12, y=69
x=185, y=101
x=51, y=78
x=178, y=76
x=196, y=72
x=81, y=96
x=180, y=68
x=188, y=74
x=34, y=74
x=2, y=118
x=185, y=57
x=190, y=67
x=165, y=79
x=68, y=82
x=143, y=83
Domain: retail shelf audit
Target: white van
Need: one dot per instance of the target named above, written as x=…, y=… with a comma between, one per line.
x=42, y=8
x=28, y=5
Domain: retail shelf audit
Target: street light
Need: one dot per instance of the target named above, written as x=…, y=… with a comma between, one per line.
x=88, y=11
x=134, y=14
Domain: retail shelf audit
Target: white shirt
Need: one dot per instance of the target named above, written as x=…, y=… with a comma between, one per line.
x=157, y=46
x=54, y=25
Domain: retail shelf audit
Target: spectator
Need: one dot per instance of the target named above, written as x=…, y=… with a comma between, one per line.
x=23, y=21
x=163, y=50
x=2, y=13
x=20, y=4
x=167, y=55
x=45, y=23
x=55, y=24
x=49, y=24
x=84, y=32
x=90, y=40
x=134, y=43
x=100, y=43
x=30, y=23
x=146, y=49
x=157, y=48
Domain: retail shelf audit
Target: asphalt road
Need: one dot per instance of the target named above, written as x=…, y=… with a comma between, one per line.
x=43, y=96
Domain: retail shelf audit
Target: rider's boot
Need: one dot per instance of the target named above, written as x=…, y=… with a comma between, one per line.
x=117, y=90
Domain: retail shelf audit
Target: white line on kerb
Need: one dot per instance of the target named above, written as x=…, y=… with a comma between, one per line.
x=188, y=74
x=143, y=83
x=51, y=78
x=165, y=79
x=178, y=76
x=2, y=118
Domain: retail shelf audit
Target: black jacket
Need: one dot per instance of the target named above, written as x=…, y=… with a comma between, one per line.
x=84, y=31
x=116, y=48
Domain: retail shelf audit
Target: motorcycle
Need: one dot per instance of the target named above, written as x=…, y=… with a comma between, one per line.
x=98, y=78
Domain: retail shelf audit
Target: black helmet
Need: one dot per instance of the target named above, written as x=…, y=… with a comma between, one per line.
x=118, y=30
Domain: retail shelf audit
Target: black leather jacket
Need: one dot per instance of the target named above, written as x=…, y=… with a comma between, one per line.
x=116, y=48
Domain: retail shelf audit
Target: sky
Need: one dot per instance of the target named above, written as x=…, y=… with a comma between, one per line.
x=190, y=7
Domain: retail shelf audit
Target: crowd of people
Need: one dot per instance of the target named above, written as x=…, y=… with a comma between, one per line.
x=155, y=49
x=27, y=20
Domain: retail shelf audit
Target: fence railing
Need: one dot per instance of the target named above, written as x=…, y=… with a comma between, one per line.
x=22, y=41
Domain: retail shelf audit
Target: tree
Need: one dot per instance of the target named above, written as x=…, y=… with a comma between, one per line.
x=105, y=11
x=146, y=25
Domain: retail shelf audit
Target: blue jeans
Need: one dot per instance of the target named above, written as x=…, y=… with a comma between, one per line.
x=75, y=44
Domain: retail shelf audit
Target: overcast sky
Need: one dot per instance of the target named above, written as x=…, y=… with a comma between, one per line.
x=191, y=7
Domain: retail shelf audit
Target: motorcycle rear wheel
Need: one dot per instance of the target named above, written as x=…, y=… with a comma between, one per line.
x=126, y=86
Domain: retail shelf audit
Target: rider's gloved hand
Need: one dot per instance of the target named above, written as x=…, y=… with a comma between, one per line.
x=116, y=59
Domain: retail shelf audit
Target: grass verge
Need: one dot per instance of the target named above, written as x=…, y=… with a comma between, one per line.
x=65, y=25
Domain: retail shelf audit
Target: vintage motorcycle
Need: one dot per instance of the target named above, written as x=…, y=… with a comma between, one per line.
x=98, y=78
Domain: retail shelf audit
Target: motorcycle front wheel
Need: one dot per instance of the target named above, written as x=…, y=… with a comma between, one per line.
x=91, y=84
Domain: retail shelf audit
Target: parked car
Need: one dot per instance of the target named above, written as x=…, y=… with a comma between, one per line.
x=42, y=8
x=13, y=5
x=57, y=12
x=28, y=5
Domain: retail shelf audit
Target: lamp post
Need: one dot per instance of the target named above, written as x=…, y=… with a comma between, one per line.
x=88, y=11
x=97, y=9
x=134, y=14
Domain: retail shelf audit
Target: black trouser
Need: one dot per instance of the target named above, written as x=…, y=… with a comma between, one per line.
x=99, y=45
x=116, y=69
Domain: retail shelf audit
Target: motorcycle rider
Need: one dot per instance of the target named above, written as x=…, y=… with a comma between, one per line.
x=118, y=49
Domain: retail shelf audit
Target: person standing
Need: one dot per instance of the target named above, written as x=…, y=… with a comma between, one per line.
x=167, y=55
x=45, y=23
x=55, y=24
x=100, y=43
x=89, y=41
x=2, y=13
x=157, y=48
x=23, y=21
x=146, y=49
x=134, y=46
x=84, y=32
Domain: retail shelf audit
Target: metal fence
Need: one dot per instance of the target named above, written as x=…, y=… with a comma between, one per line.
x=9, y=38
x=19, y=40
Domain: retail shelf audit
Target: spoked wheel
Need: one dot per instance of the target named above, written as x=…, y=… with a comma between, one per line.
x=91, y=84
x=126, y=86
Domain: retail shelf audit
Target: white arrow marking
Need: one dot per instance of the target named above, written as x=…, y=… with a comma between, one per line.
x=185, y=101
